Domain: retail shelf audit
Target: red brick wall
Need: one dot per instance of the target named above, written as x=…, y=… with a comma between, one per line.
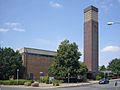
x=91, y=45
x=88, y=44
x=37, y=64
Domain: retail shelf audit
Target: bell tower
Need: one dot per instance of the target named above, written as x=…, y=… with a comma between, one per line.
x=91, y=39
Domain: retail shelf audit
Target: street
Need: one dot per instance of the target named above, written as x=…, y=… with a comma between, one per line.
x=109, y=86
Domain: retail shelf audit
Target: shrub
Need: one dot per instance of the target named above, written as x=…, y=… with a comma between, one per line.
x=13, y=82
x=28, y=83
x=109, y=78
x=56, y=82
x=50, y=82
x=6, y=82
x=61, y=81
x=98, y=77
x=21, y=82
x=0, y=82
x=35, y=84
x=45, y=79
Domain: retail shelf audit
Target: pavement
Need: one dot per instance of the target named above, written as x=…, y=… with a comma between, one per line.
x=47, y=86
x=63, y=85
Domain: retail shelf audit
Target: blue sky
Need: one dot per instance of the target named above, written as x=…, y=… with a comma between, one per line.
x=43, y=24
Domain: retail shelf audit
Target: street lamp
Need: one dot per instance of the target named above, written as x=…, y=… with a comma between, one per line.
x=68, y=75
x=17, y=75
x=111, y=23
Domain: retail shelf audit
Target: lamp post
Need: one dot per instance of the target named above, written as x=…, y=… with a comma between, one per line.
x=111, y=23
x=17, y=75
x=68, y=75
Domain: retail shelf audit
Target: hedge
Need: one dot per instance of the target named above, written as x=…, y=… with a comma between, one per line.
x=13, y=82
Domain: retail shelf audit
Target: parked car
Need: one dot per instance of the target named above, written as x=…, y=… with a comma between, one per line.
x=104, y=81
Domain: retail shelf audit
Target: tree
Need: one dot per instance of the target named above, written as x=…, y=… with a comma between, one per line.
x=10, y=61
x=114, y=66
x=102, y=73
x=83, y=69
x=66, y=62
x=102, y=68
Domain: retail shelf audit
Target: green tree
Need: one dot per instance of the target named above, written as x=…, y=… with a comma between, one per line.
x=67, y=61
x=10, y=61
x=83, y=69
x=102, y=68
x=102, y=73
x=114, y=66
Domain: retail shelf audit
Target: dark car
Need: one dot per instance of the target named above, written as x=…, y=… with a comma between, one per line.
x=104, y=81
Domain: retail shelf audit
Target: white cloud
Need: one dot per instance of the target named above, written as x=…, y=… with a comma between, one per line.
x=56, y=5
x=19, y=29
x=3, y=30
x=11, y=26
x=111, y=49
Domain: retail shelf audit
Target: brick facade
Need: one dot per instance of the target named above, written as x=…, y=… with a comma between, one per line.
x=91, y=38
x=36, y=61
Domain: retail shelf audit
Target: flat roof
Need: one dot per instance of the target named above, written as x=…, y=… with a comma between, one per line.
x=91, y=8
x=37, y=51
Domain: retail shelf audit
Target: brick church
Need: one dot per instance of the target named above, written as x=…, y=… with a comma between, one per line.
x=37, y=61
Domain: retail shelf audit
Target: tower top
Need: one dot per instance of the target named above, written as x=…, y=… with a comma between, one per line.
x=90, y=8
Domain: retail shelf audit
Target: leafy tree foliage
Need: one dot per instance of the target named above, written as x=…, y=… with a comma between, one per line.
x=102, y=68
x=102, y=73
x=66, y=61
x=114, y=66
x=83, y=69
x=10, y=61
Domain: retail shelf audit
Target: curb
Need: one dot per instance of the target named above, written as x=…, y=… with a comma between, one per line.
x=82, y=85
x=44, y=87
x=66, y=86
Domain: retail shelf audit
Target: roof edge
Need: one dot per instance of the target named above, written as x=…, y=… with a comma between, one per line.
x=91, y=7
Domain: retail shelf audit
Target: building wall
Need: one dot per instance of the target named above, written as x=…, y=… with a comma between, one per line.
x=35, y=63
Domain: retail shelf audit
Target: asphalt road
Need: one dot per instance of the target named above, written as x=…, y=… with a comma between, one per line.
x=109, y=86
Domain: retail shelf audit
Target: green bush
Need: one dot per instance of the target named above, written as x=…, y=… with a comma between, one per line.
x=98, y=77
x=109, y=78
x=50, y=82
x=6, y=82
x=13, y=82
x=21, y=82
x=45, y=79
x=61, y=81
x=56, y=82
x=28, y=83
x=0, y=82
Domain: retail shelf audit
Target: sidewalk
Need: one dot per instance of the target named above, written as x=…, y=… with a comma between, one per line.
x=47, y=86
x=63, y=85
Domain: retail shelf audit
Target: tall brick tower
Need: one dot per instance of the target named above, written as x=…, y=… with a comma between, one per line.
x=91, y=39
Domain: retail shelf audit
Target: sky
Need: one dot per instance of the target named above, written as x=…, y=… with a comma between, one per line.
x=43, y=24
